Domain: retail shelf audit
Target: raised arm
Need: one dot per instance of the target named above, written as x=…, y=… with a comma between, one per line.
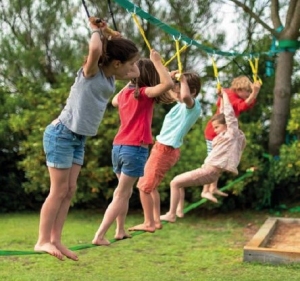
x=255, y=87
x=91, y=67
x=185, y=92
x=226, y=108
x=166, y=82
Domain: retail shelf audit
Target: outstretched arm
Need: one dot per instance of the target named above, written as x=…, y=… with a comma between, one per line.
x=226, y=108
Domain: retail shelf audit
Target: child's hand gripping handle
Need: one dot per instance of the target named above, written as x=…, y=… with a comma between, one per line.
x=107, y=32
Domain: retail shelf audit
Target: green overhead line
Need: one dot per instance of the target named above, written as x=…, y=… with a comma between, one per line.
x=292, y=46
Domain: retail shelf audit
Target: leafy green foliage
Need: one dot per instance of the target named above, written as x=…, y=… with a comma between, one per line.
x=49, y=39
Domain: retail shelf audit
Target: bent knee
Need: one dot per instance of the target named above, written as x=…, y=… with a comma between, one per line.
x=146, y=189
x=175, y=182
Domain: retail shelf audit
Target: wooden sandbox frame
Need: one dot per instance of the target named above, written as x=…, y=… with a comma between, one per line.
x=256, y=251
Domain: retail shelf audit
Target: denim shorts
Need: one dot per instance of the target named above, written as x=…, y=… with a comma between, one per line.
x=63, y=147
x=130, y=160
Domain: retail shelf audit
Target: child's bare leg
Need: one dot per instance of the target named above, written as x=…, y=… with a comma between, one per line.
x=209, y=196
x=156, y=208
x=118, y=206
x=120, y=220
x=206, y=188
x=214, y=189
x=147, y=204
x=179, y=210
x=170, y=216
x=62, y=215
x=209, y=190
x=50, y=209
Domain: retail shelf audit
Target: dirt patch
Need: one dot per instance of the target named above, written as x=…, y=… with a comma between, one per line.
x=286, y=236
x=250, y=231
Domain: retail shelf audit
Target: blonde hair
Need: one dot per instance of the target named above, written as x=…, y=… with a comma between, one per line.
x=241, y=83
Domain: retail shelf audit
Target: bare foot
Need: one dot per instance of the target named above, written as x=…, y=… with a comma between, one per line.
x=168, y=217
x=143, y=227
x=50, y=249
x=122, y=235
x=158, y=225
x=209, y=196
x=66, y=252
x=219, y=192
x=100, y=241
x=179, y=213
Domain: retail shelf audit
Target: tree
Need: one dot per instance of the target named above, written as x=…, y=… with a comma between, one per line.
x=43, y=43
x=287, y=34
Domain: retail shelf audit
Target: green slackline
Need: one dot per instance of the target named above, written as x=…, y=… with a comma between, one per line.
x=248, y=173
x=130, y=7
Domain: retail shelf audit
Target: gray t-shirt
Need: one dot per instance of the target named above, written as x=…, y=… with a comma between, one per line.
x=87, y=103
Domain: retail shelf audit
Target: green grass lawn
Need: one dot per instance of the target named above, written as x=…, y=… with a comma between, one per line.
x=200, y=246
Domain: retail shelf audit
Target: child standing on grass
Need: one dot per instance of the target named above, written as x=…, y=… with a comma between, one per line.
x=64, y=139
x=166, y=150
x=130, y=146
x=227, y=148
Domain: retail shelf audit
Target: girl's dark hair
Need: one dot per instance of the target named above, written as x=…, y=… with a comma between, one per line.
x=149, y=76
x=117, y=49
x=220, y=118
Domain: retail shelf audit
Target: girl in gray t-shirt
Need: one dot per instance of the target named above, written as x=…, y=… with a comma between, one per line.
x=64, y=138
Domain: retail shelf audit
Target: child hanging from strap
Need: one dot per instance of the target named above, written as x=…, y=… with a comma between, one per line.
x=242, y=96
x=65, y=137
x=227, y=148
x=166, y=150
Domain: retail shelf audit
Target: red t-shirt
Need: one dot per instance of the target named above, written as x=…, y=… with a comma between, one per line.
x=136, y=118
x=239, y=105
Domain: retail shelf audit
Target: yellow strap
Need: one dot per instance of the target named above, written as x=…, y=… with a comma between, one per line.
x=141, y=31
x=183, y=48
x=178, y=59
x=216, y=73
x=254, y=68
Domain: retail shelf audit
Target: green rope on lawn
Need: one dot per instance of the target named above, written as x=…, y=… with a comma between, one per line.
x=248, y=173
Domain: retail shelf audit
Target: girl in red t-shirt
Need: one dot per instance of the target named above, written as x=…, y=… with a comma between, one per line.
x=130, y=147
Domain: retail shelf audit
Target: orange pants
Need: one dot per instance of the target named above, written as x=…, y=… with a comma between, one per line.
x=162, y=158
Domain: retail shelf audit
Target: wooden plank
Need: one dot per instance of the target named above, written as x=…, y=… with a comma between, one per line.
x=261, y=237
x=255, y=250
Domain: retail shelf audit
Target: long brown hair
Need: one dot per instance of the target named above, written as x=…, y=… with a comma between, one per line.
x=149, y=76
